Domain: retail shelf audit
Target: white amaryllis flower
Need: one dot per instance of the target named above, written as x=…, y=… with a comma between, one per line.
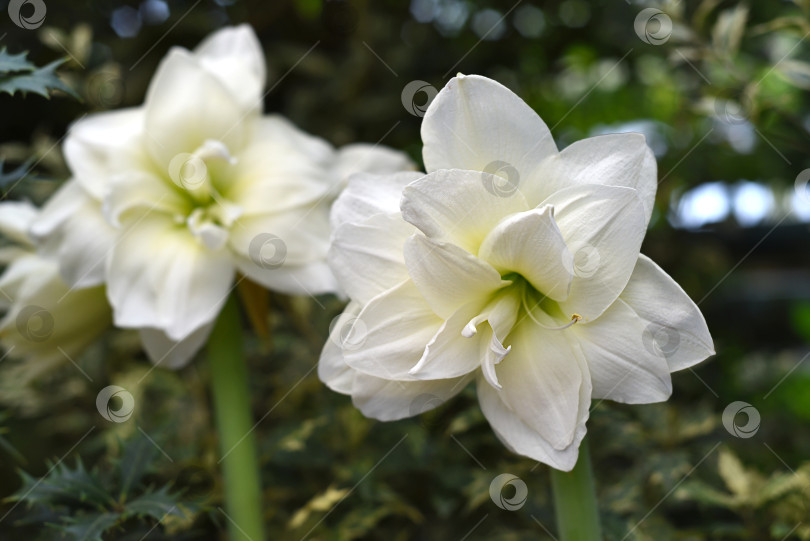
x=510, y=263
x=170, y=200
x=44, y=321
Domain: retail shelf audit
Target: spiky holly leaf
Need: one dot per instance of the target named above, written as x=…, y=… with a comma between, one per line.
x=40, y=81
x=158, y=504
x=14, y=62
x=136, y=460
x=88, y=527
x=63, y=485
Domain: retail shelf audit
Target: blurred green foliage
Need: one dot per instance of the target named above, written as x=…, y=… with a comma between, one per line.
x=337, y=69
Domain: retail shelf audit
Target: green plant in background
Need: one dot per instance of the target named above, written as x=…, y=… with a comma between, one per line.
x=17, y=74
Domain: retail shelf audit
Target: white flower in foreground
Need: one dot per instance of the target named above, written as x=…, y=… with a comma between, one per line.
x=42, y=314
x=170, y=200
x=528, y=280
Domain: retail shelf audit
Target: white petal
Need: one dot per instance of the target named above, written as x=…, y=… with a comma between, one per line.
x=283, y=168
x=234, y=55
x=186, y=105
x=15, y=220
x=447, y=276
x=140, y=190
x=370, y=194
x=388, y=400
x=303, y=232
x=675, y=328
x=367, y=257
x=603, y=227
x=72, y=229
x=520, y=437
x=475, y=122
x=623, y=368
x=104, y=144
x=455, y=206
x=314, y=278
x=332, y=368
x=160, y=276
x=171, y=354
x=531, y=244
x=621, y=159
x=543, y=378
x=391, y=334
x=366, y=158
x=449, y=354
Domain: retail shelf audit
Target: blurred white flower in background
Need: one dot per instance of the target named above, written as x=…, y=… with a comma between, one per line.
x=511, y=264
x=44, y=321
x=170, y=200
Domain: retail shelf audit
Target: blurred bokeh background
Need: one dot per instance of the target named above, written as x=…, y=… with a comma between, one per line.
x=720, y=89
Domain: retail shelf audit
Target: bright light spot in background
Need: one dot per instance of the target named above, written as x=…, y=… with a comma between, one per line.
x=529, y=21
x=449, y=16
x=126, y=22
x=155, y=11
x=753, y=203
x=705, y=204
x=799, y=201
x=653, y=131
x=488, y=24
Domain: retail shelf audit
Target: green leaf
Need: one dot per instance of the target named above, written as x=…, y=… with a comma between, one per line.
x=729, y=29
x=14, y=62
x=7, y=179
x=63, y=485
x=40, y=81
x=89, y=527
x=796, y=72
x=156, y=504
x=136, y=460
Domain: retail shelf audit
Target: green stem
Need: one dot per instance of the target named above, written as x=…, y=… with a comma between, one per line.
x=229, y=382
x=575, y=500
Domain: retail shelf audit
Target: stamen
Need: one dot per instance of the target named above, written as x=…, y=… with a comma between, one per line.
x=574, y=318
